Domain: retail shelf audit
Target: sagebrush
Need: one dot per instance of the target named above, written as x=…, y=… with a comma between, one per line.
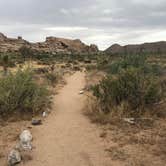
x=132, y=81
x=19, y=93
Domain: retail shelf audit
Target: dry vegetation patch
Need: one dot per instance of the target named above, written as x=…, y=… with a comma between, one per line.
x=142, y=142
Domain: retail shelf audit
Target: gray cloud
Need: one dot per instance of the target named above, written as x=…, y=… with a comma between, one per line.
x=102, y=22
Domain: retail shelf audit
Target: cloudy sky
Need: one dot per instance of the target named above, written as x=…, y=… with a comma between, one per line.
x=102, y=22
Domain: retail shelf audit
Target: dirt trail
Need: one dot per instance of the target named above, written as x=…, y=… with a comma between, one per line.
x=67, y=138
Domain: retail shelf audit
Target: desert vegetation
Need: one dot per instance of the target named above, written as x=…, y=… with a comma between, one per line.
x=129, y=103
x=20, y=94
x=131, y=83
x=126, y=94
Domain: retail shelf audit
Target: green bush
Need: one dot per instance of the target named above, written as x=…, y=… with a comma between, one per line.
x=131, y=61
x=19, y=93
x=131, y=86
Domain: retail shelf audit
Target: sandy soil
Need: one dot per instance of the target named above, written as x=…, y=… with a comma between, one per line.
x=67, y=138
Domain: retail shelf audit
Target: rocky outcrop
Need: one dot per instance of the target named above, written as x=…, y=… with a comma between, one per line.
x=66, y=46
x=51, y=45
x=153, y=48
x=11, y=44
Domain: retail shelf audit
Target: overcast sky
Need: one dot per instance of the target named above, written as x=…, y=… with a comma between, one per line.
x=102, y=22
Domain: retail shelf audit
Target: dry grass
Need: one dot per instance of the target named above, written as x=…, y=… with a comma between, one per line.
x=135, y=145
x=140, y=144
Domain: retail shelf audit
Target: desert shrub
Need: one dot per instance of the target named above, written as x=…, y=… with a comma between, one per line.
x=132, y=81
x=52, y=78
x=76, y=68
x=156, y=69
x=19, y=93
x=87, y=61
x=91, y=67
x=26, y=52
x=41, y=70
x=6, y=60
x=130, y=61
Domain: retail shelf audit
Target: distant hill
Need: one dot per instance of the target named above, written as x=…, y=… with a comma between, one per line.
x=50, y=45
x=154, y=48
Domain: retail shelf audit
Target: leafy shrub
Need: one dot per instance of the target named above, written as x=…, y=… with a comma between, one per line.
x=131, y=61
x=20, y=94
x=130, y=81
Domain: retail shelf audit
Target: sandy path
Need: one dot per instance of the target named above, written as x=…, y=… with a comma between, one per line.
x=67, y=138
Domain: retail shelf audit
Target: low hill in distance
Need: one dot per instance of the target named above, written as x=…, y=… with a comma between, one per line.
x=151, y=48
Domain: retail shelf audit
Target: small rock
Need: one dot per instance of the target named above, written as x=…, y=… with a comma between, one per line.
x=81, y=92
x=14, y=157
x=25, y=139
x=36, y=122
x=44, y=114
x=129, y=120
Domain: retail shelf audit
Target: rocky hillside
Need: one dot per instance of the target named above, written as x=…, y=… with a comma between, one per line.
x=154, y=48
x=51, y=45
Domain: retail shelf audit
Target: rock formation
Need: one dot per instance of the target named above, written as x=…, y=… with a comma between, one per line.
x=153, y=48
x=51, y=45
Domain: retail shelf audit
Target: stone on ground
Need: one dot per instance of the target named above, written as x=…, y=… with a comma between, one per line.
x=14, y=157
x=25, y=139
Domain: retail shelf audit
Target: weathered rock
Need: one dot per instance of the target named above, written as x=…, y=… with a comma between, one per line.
x=14, y=157
x=36, y=122
x=81, y=92
x=44, y=114
x=25, y=139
